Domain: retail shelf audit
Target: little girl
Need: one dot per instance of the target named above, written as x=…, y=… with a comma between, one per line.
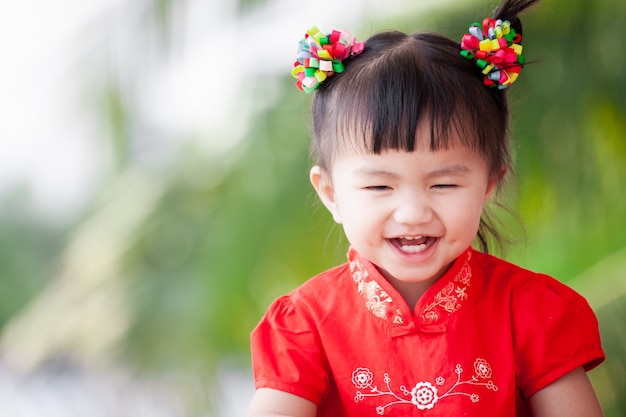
x=410, y=139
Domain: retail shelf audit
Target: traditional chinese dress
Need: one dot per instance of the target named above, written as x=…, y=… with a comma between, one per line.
x=481, y=340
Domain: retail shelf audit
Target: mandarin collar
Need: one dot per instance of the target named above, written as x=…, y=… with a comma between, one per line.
x=443, y=299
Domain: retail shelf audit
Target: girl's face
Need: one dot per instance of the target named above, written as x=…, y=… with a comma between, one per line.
x=411, y=214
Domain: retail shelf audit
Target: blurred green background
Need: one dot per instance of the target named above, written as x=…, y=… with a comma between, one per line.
x=171, y=201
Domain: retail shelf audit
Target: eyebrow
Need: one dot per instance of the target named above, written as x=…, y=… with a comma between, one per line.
x=371, y=172
x=458, y=169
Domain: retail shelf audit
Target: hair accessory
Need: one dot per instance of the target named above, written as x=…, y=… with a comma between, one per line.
x=496, y=48
x=321, y=55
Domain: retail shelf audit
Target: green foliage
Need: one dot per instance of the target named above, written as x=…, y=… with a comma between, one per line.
x=570, y=138
x=610, y=378
x=213, y=256
x=233, y=231
x=29, y=247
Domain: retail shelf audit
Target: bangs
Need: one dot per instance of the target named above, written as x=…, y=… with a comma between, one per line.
x=398, y=85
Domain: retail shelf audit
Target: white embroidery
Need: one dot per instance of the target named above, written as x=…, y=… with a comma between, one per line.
x=482, y=368
x=423, y=395
x=362, y=378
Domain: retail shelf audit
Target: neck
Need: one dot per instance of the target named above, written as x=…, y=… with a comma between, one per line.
x=411, y=292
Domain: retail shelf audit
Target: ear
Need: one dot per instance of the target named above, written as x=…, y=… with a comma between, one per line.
x=320, y=179
x=494, y=181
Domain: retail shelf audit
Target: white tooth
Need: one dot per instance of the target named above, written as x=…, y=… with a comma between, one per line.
x=413, y=248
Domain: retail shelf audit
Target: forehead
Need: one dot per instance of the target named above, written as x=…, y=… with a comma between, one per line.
x=459, y=160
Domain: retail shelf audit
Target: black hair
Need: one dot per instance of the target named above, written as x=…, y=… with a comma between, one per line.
x=399, y=84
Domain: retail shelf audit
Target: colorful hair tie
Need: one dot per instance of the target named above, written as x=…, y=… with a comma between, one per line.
x=321, y=55
x=496, y=49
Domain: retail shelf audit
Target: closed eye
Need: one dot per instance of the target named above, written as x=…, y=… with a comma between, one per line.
x=444, y=186
x=378, y=187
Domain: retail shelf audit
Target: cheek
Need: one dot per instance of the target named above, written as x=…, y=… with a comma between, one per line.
x=353, y=218
x=357, y=219
x=473, y=216
x=464, y=214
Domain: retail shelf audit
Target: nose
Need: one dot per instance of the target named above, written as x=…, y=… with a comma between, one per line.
x=413, y=209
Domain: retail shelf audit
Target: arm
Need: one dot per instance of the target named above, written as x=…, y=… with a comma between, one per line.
x=571, y=395
x=269, y=402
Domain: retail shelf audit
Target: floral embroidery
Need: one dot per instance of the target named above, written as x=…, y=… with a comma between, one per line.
x=376, y=299
x=461, y=294
x=482, y=368
x=380, y=303
x=362, y=378
x=449, y=297
x=424, y=395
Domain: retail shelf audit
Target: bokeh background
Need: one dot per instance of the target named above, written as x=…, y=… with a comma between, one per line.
x=154, y=195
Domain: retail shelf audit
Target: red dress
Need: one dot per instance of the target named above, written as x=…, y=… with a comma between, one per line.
x=483, y=338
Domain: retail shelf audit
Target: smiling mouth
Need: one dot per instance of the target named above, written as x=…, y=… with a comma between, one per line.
x=413, y=244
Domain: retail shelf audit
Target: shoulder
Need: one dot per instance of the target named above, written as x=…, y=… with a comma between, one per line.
x=315, y=296
x=554, y=330
x=492, y=266
x=324, y=287
x=520, y=281
x=534, y=299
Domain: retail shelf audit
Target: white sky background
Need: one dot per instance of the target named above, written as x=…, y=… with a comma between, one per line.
x=52, y=52
x=46, y=140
